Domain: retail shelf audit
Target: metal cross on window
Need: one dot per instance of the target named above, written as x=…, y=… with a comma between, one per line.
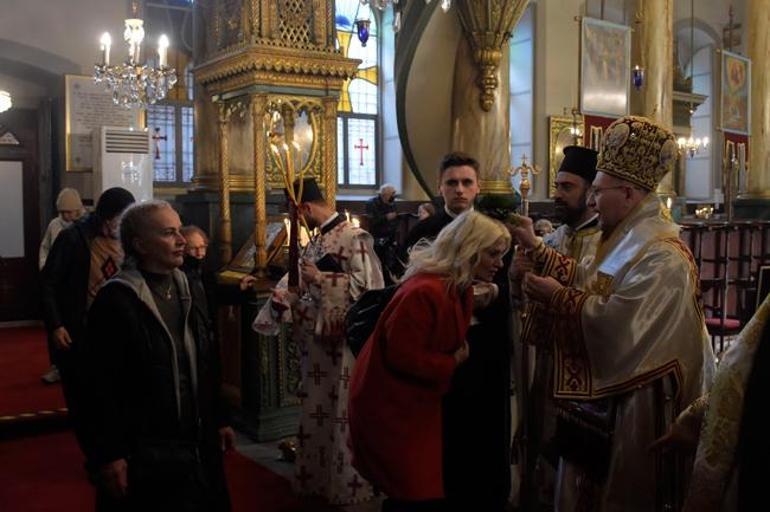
x=361, y=147
x=157, y=138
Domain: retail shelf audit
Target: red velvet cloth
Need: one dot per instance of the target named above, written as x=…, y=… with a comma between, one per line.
x=398, y=382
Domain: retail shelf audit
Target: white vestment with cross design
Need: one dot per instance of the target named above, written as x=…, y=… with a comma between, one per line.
x=323, y=459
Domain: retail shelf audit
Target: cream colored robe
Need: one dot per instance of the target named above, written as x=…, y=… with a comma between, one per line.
x=714, y=476
x=538, y=330
x=323, y=465
x=630, y=328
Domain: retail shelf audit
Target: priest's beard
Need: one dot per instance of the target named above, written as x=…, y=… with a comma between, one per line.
x=568, y=215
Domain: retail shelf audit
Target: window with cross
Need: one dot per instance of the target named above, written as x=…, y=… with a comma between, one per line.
x=171, y=126
x=358, y=122
x=170, y=122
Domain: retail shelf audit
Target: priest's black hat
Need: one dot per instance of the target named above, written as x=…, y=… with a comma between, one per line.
x=581, y=161
x=310, y=191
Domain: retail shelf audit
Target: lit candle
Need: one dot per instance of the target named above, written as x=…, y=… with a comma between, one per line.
x=356, y=222
x=668, y=203
x=105, y=42
x=347, y=215
x=163, y=51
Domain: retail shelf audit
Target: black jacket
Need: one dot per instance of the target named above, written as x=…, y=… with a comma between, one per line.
x=379, y=225
x=65, y=278
x=133, y=398
x=428, y=229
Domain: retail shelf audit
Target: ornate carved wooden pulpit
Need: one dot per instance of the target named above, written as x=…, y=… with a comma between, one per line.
x=267, y=71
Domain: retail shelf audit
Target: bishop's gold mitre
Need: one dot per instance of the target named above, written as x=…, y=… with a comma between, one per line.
x=637, y=150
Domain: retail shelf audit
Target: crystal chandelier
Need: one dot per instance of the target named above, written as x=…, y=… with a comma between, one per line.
x=133, y=84
x=5, y=101
x=692, y=145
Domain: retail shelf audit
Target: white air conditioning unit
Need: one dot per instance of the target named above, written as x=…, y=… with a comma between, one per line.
x=122, y=158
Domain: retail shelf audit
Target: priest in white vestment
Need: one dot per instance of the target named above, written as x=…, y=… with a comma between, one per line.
x=338, y=266
x=631, y=348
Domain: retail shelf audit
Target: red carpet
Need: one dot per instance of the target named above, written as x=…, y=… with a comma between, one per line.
x=23, y=359
x=45, y=473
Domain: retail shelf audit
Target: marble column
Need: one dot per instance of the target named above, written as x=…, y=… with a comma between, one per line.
x=758, y=21
x=654, y=44
x=480, y=100
x=225, y=225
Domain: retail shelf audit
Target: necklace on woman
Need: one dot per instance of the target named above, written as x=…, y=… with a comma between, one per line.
x=163, y=294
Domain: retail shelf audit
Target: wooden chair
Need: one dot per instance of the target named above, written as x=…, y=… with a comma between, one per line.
x=717, y=284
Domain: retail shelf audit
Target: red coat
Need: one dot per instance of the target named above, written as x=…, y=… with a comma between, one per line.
x=397, y=386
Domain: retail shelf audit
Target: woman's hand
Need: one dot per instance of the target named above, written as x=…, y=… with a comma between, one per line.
x=462, y=353
x=483, y=294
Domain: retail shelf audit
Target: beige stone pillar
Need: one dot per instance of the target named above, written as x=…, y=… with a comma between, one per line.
x=225, y=225
x=485, y=135
x=758, y=21
x=653, y=39
x=258, y=110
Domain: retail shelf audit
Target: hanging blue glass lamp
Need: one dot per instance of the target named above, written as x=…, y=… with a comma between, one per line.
x=637, y=77
x=362, y=30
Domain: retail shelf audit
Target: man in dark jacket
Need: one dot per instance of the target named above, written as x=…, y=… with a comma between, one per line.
x=383, y=224
x=459, y=186
x=83, y=256
x=477, y=407
x=156, y=425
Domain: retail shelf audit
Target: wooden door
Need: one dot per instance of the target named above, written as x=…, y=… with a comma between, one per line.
x=19, y=215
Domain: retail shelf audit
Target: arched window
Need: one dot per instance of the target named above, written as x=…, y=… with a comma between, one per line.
x=358, y=109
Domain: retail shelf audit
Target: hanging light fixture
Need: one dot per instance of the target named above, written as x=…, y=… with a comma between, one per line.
x=637, y=77
x=692, y=145
x=381, y=5
x=5, y=101
x=133, y=84
x=362, y=30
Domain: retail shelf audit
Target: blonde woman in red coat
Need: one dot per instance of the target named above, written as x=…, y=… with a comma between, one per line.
x=406, y=365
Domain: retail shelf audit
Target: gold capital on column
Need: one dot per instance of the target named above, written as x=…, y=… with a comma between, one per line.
x=488, y=25
x=758, y=19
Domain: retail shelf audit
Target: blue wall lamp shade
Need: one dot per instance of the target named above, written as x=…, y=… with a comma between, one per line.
x=637, y=77
x=362, y=30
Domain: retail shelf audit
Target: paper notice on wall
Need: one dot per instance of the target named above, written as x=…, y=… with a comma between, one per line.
x=89, y=105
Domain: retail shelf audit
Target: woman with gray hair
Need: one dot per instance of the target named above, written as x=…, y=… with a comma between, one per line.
x=155, y=426
x=405, y=367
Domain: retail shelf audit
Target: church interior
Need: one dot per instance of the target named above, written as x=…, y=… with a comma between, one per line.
x=216, y=106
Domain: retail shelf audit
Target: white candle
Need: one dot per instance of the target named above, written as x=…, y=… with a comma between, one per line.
x=347, y=215
x=287, y=225
x=105, y=42
x=356, y=222
x=163, y=51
